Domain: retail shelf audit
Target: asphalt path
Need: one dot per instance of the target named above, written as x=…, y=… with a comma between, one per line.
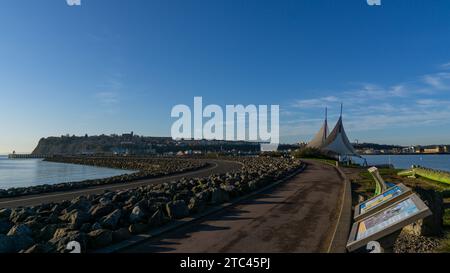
x=298, y=216
x=215, y=166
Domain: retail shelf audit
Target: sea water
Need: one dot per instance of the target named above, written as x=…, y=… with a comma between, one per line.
x=438, y=162
x=31, y=172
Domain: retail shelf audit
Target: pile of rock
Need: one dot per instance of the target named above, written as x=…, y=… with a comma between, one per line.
x=423, y=235
x=144, y=167
x=412, y=243
x=97, y=221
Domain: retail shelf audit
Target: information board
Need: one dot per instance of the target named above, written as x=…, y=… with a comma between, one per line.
x=388, y=217
x=393, y=218
x=379, y=202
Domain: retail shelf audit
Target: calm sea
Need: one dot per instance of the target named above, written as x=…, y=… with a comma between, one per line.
x=31, y=172
x=439, y=162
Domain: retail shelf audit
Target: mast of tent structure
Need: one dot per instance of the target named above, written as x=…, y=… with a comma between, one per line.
x=325, y=133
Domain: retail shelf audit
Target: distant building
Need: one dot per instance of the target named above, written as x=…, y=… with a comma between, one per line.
x=418, y=149
x=119, y=151
x=409, y=150
x=128, y=136
x=435, y=150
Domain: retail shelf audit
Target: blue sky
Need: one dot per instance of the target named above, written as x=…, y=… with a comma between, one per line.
x=113, y=66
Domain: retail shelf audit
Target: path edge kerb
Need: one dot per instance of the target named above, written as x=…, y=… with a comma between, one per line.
x=340, y=236
x=142, y=238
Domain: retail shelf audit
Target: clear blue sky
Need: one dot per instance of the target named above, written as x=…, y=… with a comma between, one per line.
x=114, y=66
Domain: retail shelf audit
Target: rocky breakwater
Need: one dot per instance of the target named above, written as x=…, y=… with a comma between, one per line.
x=97, y=221
x=145, y=168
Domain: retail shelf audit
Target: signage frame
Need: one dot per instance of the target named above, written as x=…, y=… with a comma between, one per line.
x=357, y=212
x=423, y=211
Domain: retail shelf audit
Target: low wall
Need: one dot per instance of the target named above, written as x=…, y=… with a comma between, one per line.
x=435, y=175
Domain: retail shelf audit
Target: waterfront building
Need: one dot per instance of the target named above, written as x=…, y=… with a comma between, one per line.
x=336, y=142
x=435, y=150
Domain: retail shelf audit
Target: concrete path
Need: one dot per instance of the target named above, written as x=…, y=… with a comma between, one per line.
x=299, y=215
x=216, y=166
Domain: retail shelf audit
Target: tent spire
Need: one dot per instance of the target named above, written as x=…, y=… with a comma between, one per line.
x=321, y=137
x=342, y=106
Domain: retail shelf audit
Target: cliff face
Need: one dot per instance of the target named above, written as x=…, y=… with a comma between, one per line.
x=132, y=144
x=103, y=144
x=72, y=145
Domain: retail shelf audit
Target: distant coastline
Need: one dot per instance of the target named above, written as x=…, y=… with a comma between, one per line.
x=404, y=161
x=362, y=154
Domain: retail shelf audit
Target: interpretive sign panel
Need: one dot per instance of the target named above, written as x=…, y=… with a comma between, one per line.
x=387, y=221
x=381, y=201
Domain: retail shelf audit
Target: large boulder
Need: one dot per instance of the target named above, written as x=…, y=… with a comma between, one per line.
x=35, y=225
x=432, y=225
x=137, y=215
x=6, y=245
x=59, y=233
x=57, y=208
x=64, y=237
x=196, y=205
x=5, y=225
x=105, y=201
x=121, y=235
x=219, y=196
x=204, y=195
x=100, y=238
x=86, y=227
x=79, y=203
x=99, y=211
x=96, y=226
x=76, y=218
x=20, y=230
x=41, y=248
x=138, y=228
x=21, y=242
x=110, y=221
x=157, y=219
x=5, y=213
x=177, y=209
x=46, y=233
x=53, y=218
x=19, y=215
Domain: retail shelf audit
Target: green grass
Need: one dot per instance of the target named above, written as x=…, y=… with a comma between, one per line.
x=365, y=185
x=447, y=217
x=435, y=175
x=367, y=179
x=445, y=242
x=391, y=175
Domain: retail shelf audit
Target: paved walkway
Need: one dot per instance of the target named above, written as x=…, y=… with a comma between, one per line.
x=299, y=215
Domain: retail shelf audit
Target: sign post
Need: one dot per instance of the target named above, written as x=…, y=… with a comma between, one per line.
x=386, y=222
x=380, y=184
x=381, y=201
x=379, y=220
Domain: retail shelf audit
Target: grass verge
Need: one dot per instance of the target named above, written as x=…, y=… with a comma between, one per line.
x=363, y=185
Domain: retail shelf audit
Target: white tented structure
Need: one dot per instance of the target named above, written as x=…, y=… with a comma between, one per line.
x=336, y=142
x=321, y=137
